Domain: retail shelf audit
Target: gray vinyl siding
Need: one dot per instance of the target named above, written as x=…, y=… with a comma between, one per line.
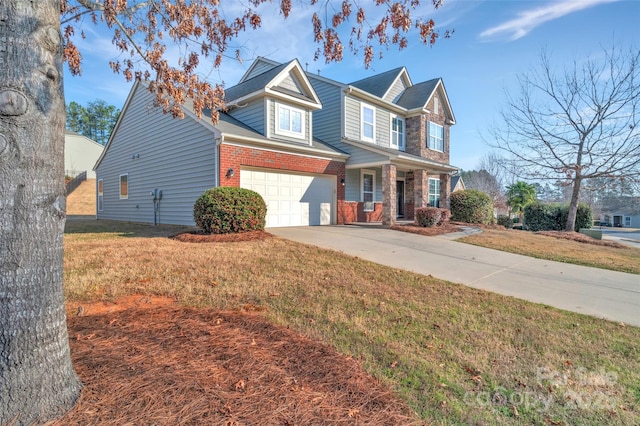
x=396, y=90
x=353, y=185
x=353, y=127
x=292, y=84
x=156, y=151
x=272, y=124
x=352, y=118
x=251, y=114
x=327, y=122
x=383, y=128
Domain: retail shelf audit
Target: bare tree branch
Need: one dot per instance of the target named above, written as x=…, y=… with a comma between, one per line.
x=576, y=125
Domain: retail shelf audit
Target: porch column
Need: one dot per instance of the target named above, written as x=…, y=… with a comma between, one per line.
x=445, y=191
x=420, y=188
x=389, y=200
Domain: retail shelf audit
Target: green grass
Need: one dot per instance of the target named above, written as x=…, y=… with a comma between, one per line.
x=624, y=259
x=457, y=355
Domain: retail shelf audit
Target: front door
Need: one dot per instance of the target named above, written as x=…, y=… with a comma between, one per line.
x=400, y=198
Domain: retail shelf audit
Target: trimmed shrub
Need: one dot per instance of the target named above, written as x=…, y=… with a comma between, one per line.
x=553, y=217
x=505, y=221
x=445, y=216
x=428, y=216
x=541, y=217
x=584, y=217
x=471, y=206
x=225, y=210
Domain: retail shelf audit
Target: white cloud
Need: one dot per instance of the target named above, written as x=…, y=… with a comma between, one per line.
x=528, y=20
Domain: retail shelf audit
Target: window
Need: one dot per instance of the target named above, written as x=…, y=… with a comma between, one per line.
x=436, y=137
x=627, y=221
x=397, y=132
x=124, y=187
x=368, y=119
x=290, y=121
x=100, y=193
x=434, y=192
x=368, y=189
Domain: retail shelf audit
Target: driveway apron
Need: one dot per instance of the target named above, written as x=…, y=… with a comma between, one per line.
x=598, y=292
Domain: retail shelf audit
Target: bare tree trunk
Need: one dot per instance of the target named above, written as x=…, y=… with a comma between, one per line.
x=573, y=205
x=37, y=380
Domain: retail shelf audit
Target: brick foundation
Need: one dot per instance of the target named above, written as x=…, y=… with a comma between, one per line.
x=353, y=211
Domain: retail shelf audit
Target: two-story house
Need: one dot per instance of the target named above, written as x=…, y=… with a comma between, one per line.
x=317, y=150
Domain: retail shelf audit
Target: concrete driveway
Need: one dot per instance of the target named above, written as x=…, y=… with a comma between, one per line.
x=592, y=291
x=627, y=236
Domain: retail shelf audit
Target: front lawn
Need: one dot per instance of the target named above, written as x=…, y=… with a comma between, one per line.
x=457, y=355
x=623, y=259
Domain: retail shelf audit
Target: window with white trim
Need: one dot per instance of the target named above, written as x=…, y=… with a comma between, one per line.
x=100, y=194
x=367, y=123
x=368, y=179
x=627, y=221
x=124, y=187
x=436, y=137
x=290, y=121
x=434, y=192
x=397, y=132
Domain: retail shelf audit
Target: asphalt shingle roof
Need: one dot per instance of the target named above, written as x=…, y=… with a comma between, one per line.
x=253, y=84
x=378, y=84
x=417, y=95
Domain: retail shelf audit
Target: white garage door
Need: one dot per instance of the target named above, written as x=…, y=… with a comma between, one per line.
x=292, y=199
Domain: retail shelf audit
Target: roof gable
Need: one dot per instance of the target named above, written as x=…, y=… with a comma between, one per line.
x=419, y=95
x=259, y=66
x=287, y=81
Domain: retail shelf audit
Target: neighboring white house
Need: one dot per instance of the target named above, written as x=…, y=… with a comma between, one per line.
x=629, y=219
x=80, y=154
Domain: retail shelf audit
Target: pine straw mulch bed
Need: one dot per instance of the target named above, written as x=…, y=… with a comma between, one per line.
x=167, y=365
x=581, y=238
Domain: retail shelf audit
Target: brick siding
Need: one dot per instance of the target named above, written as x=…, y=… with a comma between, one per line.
x=236, y=157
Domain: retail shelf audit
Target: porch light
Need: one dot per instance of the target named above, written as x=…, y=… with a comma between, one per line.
x=230, y=173
x=342, y=181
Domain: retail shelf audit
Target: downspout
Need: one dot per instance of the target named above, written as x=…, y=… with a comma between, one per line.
x=216, y=154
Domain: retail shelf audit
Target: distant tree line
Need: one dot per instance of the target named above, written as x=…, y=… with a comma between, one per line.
x=94, y=121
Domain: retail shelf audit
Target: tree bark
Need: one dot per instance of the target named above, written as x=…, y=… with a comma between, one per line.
x=37, y=380
x=573, y=205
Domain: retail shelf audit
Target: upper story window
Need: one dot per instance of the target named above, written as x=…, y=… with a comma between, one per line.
x=368, y=123
x=397, y=132
x=436, y=137
x=124, y=187
x=290, y=121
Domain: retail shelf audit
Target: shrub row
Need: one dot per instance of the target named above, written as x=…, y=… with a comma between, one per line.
x=553, y=217
x=224, y=210
x=505, y=221
x=432, y=216
x=471, y=206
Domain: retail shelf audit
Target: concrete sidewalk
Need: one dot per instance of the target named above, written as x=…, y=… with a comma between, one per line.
x=607, y=294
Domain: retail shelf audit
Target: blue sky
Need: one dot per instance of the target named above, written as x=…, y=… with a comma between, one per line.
x=494, y=42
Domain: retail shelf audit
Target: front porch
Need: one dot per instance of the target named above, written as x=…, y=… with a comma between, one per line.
x=391, y=193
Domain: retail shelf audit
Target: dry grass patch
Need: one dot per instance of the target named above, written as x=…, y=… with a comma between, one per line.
x=561, y=247
x=82, y=201
x=456, y=355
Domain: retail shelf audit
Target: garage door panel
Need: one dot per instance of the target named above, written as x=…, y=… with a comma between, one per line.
x=293, y=199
